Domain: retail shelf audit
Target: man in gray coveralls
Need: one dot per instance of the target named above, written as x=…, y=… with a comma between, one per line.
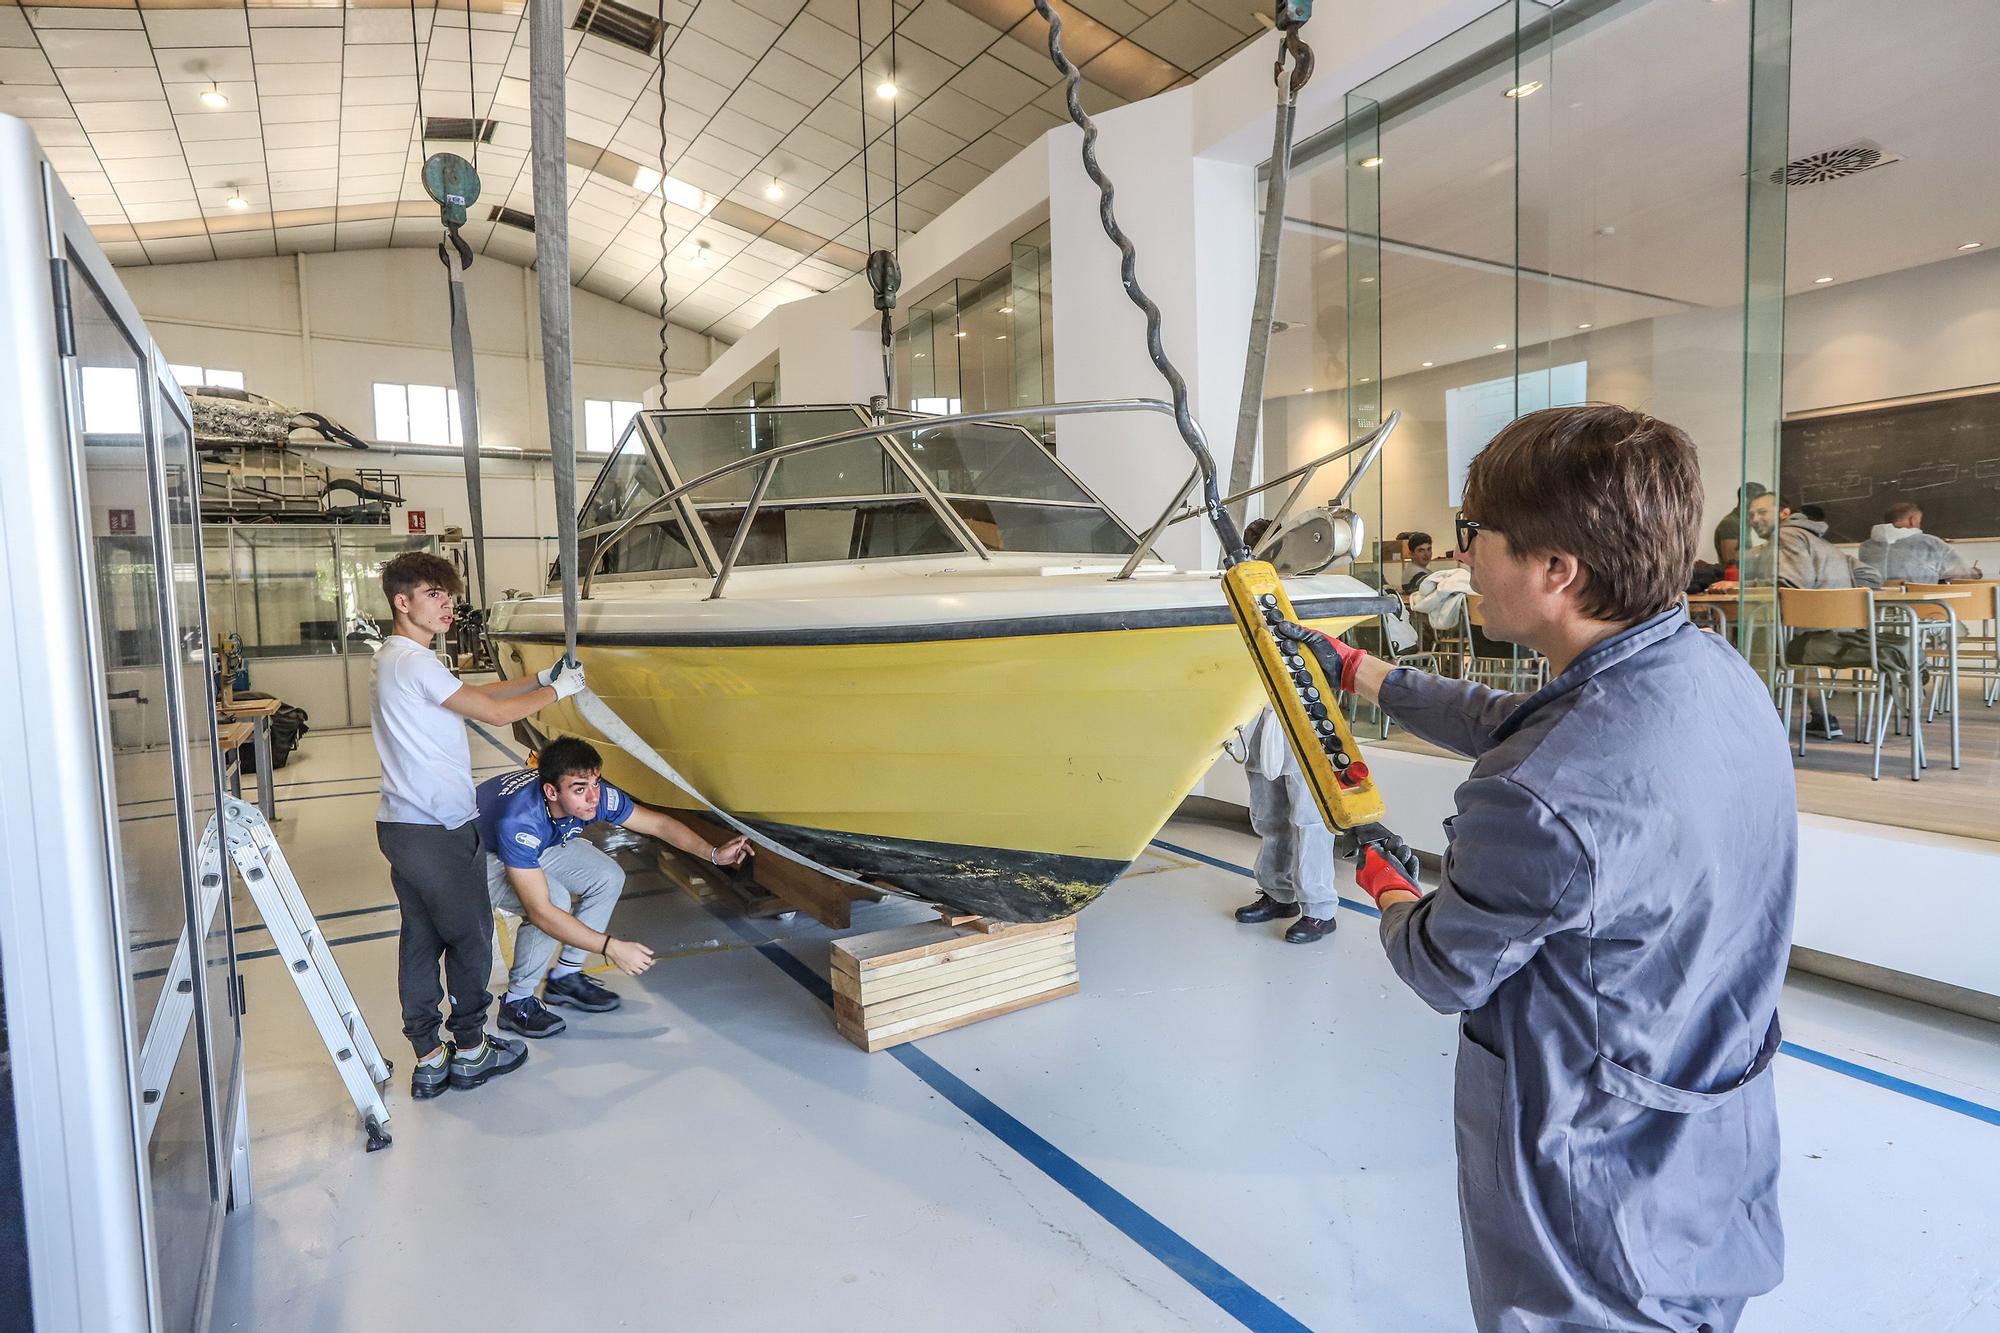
x=1614, y=911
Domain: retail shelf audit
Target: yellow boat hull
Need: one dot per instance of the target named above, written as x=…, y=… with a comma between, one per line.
x=1013, y=776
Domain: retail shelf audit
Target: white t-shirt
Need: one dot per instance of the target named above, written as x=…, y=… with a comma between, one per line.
x=426, y=758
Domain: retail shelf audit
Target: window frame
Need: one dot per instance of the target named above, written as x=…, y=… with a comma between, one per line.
x=452, y=426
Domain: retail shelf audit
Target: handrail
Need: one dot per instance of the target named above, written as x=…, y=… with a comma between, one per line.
x=1372, y=441
x=771, y=457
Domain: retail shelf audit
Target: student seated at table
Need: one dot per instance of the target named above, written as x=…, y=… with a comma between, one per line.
x=1795, y=548
x=1900, y=551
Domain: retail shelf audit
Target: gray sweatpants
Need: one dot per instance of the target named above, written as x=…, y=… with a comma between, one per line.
x=583, y=881
x=1295, y=862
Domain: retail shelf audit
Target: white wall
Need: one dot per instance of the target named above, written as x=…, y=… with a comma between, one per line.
x=316, y=331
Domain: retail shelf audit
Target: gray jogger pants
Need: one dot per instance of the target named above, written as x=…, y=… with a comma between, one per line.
x=583, y=881
x=1295, y=861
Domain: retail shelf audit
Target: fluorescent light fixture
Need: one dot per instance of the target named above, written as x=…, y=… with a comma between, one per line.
x=960, y=334
x=1366, y=279
x=885, y=89
x=1375, y=161
x=1429, y=364
x=646, y=180
x=1528, y=89
x=1823, y=280
x=999, y=337
x=214, y=98
x=774, y=191
x=1972, y=245
x=1499, y=347
x=238, y=202
x=1008, y=310
x=1366, y=380
x=1583, y=326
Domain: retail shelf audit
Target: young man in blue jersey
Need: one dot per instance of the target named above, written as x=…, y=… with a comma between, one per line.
x=562, y=886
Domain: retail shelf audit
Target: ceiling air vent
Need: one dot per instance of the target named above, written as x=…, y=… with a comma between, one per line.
x=512, y=217
x=1833, y=163
x=619, y=23
x=458, y=129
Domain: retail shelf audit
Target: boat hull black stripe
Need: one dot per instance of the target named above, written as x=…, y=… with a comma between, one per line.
x=1092, y=622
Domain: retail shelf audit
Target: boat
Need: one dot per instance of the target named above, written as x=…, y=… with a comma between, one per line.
x=932, y=655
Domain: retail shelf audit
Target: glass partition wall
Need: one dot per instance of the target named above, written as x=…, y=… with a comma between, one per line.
x=975, y=345
x=1684, y=208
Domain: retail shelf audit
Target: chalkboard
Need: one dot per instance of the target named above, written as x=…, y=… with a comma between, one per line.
x=1943, y=455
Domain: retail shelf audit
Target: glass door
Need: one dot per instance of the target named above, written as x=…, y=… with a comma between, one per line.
x=111, y=411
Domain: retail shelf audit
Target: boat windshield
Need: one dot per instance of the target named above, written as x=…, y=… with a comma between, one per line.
x=871, y=498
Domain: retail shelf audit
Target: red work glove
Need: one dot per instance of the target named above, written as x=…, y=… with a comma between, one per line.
x=1387, y=865
x=1339, y=660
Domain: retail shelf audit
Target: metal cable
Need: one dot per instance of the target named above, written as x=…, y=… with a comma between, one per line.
x=471, y=88
x=895, y=138
x=1232, y=542
x=861, y=91
x=660, y=123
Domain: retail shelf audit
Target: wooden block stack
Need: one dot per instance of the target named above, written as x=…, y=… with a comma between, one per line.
x=898, y=985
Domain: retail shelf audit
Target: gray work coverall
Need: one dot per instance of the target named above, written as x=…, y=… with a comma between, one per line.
x=1613, y=923
x=1295, y=858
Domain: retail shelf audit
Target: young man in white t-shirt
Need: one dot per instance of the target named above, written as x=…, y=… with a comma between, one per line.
x=428, y=822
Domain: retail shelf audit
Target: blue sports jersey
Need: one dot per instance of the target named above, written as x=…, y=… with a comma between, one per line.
x=514, y=818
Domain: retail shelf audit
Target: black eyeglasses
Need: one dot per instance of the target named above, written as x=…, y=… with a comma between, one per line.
x=1468, y=528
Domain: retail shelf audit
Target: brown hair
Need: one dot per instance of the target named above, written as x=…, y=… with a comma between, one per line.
x=1901, y=510
x=1617, y=489
x=414, y=569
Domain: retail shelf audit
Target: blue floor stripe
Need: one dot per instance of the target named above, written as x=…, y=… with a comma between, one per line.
x=1239, y=1299
x=1942, y=1100
x=1366, y=909
x=1916, y=1091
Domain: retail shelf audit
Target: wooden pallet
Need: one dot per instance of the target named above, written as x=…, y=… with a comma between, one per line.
x=894, y=986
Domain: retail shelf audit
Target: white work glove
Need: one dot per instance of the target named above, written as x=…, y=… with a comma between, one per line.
x=566, y=677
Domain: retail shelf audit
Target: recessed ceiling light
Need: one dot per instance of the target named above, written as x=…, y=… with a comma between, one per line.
x=1972, y=245
x=1429, y=364
x=885, y=90
x=1499, y=347
x=999, y=337
x=920, y=356
x=1823, y=280
x=1583, y=326
x=1366, y=279
x=1006, y=310
x=1367, y=380
x=1371, y=161
x=960, y=334
x=214, y=98
x=238, y=202
x=774, y=190
x=1528, y=89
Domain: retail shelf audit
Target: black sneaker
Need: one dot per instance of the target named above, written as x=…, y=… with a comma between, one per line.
x=529, y=1018
x=495, y=1056
x=1266, y=908
x=1825, y=728
x=428, y=1081
x=580, y=992
x=1307, y=929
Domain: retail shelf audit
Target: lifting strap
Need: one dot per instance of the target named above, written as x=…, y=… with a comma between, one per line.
x=551, y=170
x=458, y=257
x=1250, y=410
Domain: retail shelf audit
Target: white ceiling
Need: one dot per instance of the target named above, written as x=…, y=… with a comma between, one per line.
x=1629, y=164
x=320, y=136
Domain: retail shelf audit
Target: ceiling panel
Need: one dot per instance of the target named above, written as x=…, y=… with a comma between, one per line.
x=321, y=105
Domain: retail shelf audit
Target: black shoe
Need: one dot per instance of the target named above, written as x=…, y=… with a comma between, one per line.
x=529, y=1018
x=1310, y=928
x=1266, y=908
x=496, y=1056
x=428, y=1081
x=580, y=992
x=1825, y=728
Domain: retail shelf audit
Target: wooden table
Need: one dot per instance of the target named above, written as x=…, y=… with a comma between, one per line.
x=257, y=714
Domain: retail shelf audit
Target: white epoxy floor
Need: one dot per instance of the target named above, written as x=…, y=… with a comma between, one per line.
x=1276, y=1119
